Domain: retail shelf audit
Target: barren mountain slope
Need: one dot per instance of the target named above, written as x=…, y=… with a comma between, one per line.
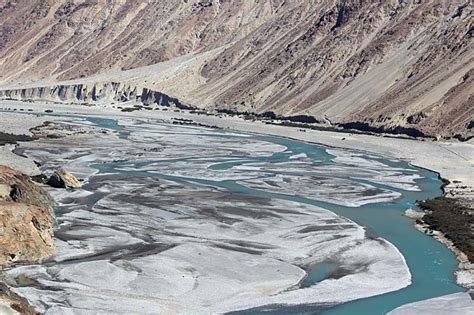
x=384, y=63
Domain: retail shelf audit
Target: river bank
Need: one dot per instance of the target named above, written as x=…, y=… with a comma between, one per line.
x=450, y=220
x=26, y=209
x=456, y=155
x=26, y=222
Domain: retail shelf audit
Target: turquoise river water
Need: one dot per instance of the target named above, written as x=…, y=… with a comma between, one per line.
x=431, y=264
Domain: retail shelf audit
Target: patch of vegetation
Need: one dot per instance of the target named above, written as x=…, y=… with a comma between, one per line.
x=6, y=138
x=189, y=122
x=396, y=130
x=454, y=219
x=129, y=109
x=271, y=116
x=41, y=178
x=308, y=126
x=311, y=122
x=463, y=138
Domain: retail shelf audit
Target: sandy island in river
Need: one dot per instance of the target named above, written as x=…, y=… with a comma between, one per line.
x=452, y=160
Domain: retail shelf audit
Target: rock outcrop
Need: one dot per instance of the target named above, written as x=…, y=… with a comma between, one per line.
x=23, y=190
x=26, y=219
x=106, y=92
x=11, y=304
x=64, y=179
x=26, y=233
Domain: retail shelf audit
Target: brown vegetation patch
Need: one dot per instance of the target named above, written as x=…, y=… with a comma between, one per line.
x=8, y=138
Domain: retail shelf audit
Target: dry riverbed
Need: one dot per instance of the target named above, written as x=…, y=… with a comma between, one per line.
x=454, y=161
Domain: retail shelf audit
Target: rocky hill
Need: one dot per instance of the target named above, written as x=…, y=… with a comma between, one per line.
x=368, y=64
x=27, y=219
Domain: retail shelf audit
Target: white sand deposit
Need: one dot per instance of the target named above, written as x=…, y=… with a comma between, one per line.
x=23, y=164
x=454, y=161
x=129, y=241
x=21, y=123
x=458, y=303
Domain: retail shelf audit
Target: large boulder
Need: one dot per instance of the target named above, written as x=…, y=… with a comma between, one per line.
x=64, y=179
x=18, y=187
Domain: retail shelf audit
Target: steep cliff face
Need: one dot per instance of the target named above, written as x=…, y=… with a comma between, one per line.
x=381, y=63
x=26, y=219
x=108, y=92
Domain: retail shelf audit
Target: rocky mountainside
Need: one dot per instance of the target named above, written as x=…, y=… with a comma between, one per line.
x=367, y=63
